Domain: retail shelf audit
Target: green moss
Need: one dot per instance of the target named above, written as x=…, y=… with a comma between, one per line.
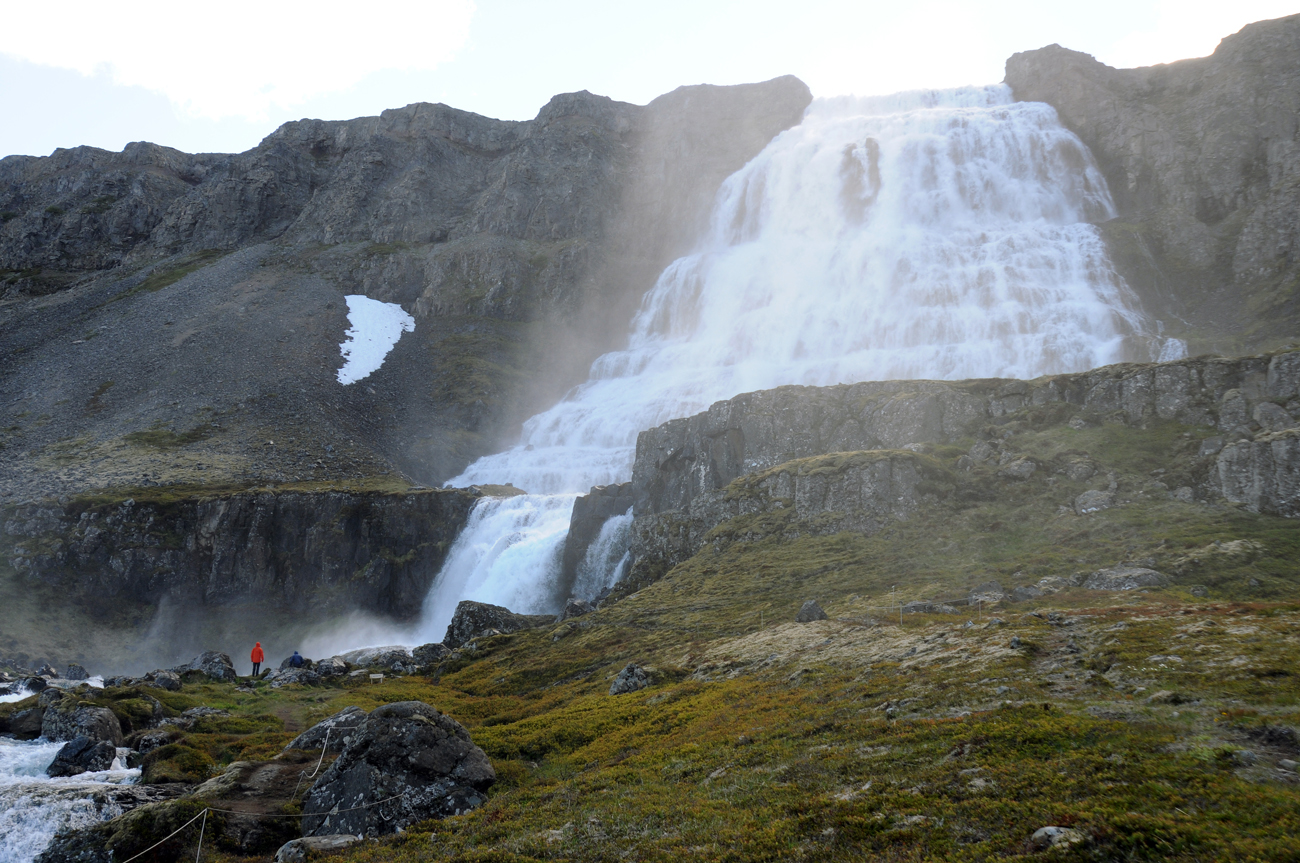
x=164, y=438
x=177, y=762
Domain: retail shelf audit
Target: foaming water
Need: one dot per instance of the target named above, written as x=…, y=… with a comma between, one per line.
x=933, y=234
x=34, y=807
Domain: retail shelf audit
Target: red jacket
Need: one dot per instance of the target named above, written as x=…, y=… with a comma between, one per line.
x=257, y=653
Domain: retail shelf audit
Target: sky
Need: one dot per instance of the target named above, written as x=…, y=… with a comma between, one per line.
x=219, y=78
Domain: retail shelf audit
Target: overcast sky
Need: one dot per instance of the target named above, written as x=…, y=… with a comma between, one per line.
x=219, y=77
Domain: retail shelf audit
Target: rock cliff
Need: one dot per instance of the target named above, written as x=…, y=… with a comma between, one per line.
x=1203, y=159
x=854, y=457
x=210, y=287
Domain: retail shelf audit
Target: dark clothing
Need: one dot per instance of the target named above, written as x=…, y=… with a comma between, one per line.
x=256, y=665
x=295, y=660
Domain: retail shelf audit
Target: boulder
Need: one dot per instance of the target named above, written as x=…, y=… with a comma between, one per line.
x=630, y=679
x=1056, y=837
x=71, y=722
x=47, y=671
x=215, y=665
x=405, y=763
x=989, y=591
x=576, y=608
x=1093, y=500
x=809, y=612
x=332, y=667
x=297, y=850
x=1020, y=468
x=1263, y=473
x=337, y=728
x=168, y=680
x=1124, y=578
x=302, y=676
x=430, y=654
x=377, y=657
x=1026, y=592
x=76, y=672
x=476, y=619
x=82, y=755
x=26, y=724
x=306, y=663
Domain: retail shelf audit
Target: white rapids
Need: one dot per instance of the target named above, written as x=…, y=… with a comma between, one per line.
x=34, y=807
x=936, y=234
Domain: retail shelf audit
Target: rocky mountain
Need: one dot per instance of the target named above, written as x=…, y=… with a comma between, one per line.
x=165, y=316
x=1203, y=160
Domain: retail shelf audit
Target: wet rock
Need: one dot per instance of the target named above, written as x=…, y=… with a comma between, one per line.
x=82, y=755
x=411, y=762
x=476, y=619
x=1124, y=578
x=430, y=654
x=47, y=671
x=163, y=679
x=632, y=678
x=809, y=612
x=1056, y=837
x=76, y=672
x=215, y=665
x=590, y=512
x=298, y=850
x=335, y=666
x=26, y=724
x=1093, y=500
x=337, y=728
x=576, y=608
x=71, y=722
x=145, y=742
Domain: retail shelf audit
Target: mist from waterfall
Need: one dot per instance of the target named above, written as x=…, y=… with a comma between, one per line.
x=934, y=234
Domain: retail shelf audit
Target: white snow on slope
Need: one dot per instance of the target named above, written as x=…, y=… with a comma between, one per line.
x=375, y=329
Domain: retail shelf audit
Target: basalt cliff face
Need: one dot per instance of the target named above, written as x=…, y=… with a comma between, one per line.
x=1203, y=160
x=200, y=297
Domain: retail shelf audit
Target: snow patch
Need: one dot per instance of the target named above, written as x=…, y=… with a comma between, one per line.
x=375, y=329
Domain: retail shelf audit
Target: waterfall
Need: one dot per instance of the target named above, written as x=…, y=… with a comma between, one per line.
x=934, y=234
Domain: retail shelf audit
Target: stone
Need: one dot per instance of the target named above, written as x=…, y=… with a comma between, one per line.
x=338, y=728
x=48, y=671
x=287, y=663
x=982, y=451
x=82, y=755
x=76, y=672
x=335, y=666
x=1024, y=593
x=1093, y=500
x=69, y=723
x=986, y=593
x=1056, y=837
x=1210, y=446
x=1263, y=474
x=1079, y=471
x=1272, y=417
x=1244, y=757
x=377, y=657
x=1053, y=584
x=809, y=612
x=406, y=762
x=1198, y=590
x=190, y=717
x=27, y=724
x=1021, y=468
x=1288, y=764
x=163, y=679
x=430, y=654
x=298, y=850
x=1164, y=696
x=473, y=620
x=632, y=678
x=1124, y=578
x=590, y=513
x=294, y=676
x=151, y=740
x=576, y=608
x=1184, y=494
x=215, y=665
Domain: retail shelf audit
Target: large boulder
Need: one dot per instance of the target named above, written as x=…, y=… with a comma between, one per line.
x=405, y=763
x=26, y=724
x=298, y=850
x=82, y=755
x=337, y=728
x=476, y=619
x=332, y=667
x=303, y=676
x=66, y=720
x=430, y=654
x=1124, y=578
x=631, y=679
x=810, y=611
x=215, y=665
x=76, y=672
x=378, y=657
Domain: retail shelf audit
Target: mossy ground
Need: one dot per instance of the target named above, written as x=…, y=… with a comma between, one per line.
x=1149, y=720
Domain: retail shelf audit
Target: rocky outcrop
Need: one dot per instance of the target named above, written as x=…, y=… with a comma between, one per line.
x=632, y=678
x=1262, y=473
x=473, y=620
x=67, y=721
x=1202, y=158
x=405, y=763
x=211, y=663
x=590, y=512
x=81, y=755
x=810, y=611
x=322, y=553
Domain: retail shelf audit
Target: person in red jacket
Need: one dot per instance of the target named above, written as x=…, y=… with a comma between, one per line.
x=257, y=657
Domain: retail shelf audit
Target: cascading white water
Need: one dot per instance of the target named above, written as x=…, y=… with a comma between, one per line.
x=34, y=807
x=937, y=234
x=606, y=559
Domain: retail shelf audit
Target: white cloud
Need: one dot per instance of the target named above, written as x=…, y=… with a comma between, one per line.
x=237, y=58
